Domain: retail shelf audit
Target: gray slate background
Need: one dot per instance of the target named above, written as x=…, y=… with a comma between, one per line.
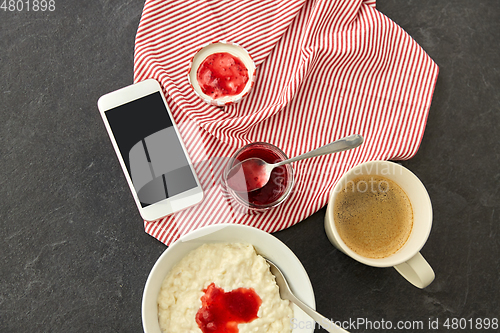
x=73, y=253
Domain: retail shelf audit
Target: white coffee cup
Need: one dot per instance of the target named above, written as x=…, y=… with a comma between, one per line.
x=407, y=261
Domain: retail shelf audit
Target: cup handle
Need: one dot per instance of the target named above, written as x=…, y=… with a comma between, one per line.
x=417, y=271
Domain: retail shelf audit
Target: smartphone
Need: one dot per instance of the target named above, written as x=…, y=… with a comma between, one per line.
x=151, y=153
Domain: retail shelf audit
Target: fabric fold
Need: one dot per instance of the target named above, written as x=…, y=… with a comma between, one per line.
x=326, y=69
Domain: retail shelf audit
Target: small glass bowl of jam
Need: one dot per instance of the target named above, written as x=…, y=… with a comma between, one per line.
x=221, y=73
x=277, y=189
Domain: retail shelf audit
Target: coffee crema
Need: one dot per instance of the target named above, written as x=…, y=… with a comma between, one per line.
x=373, y=216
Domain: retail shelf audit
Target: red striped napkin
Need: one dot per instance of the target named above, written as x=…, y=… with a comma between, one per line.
x=326, y=69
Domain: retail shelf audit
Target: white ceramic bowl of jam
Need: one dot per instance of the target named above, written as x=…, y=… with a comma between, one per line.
x=265, y=244
x=221, y=73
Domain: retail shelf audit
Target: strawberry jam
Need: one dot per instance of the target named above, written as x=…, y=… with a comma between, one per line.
x=222, y=311
x=278, y=181
x=222, y=74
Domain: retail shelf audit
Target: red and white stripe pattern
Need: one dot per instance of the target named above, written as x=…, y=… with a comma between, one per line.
x=326, y=69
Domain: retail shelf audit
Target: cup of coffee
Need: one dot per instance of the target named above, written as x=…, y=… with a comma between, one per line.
x=380, y=214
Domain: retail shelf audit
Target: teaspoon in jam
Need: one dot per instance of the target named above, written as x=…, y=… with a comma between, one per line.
x=254, y=173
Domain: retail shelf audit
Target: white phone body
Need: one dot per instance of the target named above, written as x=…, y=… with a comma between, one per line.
x=151, y=153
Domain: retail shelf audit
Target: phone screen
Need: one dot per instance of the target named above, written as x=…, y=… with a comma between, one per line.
x=151, y=149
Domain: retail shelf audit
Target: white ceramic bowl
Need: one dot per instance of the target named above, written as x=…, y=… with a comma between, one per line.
x=217, y=47
x=264, y=243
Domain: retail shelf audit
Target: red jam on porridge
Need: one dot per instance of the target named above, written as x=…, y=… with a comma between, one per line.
x=222, y=287
x=222, y=311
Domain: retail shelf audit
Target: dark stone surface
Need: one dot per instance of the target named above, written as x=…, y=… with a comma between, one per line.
x=73, y=253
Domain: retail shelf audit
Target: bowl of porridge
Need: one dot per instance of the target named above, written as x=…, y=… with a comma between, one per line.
x=216, y=278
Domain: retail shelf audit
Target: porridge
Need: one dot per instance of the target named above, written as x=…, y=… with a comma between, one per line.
x=222, y=287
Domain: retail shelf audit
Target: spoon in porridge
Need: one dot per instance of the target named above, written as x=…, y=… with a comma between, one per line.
x=286, y=293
